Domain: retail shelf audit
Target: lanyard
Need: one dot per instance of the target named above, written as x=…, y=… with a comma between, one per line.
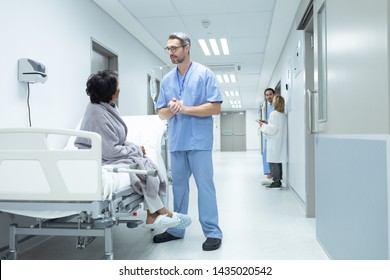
x=181, y=85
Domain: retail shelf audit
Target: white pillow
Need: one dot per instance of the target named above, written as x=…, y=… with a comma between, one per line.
x=70, y=144
x=145, y=130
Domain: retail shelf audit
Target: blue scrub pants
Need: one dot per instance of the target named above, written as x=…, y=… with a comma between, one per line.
x=200, y=165
x=266, y=168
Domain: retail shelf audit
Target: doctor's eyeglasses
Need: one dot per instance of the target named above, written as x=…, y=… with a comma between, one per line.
x=173, y=49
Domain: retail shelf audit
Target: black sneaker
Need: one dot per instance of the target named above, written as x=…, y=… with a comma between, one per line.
x=275, y=185
x=164, y=237
x=211, y=244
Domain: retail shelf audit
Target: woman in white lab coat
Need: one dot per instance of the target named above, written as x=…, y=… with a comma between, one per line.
x=275, y=130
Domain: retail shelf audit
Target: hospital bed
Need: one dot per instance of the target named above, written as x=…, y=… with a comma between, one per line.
x=67, y=190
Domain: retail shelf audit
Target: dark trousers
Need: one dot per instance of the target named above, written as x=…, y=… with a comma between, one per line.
x=276, y=171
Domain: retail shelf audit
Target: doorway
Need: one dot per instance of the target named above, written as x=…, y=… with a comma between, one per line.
x=233, y=131
x=102, y=59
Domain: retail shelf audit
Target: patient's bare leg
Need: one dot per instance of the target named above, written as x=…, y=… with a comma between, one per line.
x=151, y=217
x=165, y=211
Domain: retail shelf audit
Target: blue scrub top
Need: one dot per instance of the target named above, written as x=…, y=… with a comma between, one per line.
x=270, y=108
x=197, y=87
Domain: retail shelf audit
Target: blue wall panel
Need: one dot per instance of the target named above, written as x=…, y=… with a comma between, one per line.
x=351, y=197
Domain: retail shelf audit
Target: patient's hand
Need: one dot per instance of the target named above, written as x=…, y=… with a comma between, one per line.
x=143, y=151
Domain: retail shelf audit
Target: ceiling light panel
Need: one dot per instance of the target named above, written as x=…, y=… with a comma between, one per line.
x=226, y=78
x=213, y=44
x=204, y=47
x=225, y=47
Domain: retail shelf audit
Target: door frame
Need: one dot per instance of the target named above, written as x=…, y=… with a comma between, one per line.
x=309, y=139
x=307, y=26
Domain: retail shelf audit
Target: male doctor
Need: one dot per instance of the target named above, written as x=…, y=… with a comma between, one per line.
x=189, y=97
x=269, y=94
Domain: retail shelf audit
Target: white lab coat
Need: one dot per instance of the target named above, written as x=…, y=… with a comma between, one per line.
x=276, y=133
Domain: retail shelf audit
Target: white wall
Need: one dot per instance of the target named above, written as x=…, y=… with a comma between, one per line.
x=58, y=34
x=253, y=134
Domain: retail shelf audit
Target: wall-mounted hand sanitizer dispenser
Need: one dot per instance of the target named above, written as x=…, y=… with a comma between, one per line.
x=31, y=71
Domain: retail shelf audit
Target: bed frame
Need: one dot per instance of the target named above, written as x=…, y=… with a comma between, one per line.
x=37, y=180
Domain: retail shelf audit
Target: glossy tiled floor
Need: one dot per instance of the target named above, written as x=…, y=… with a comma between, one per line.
x=257, y=224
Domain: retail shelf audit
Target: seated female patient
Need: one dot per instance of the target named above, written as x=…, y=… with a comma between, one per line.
x=102, y=116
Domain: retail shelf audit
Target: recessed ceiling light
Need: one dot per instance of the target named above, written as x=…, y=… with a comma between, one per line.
x=219, y=78
x=226, y=78
x=214, y=46
x=204, y=47
x=225, y=47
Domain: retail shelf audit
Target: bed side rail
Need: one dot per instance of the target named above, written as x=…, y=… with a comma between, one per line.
x=31, y=169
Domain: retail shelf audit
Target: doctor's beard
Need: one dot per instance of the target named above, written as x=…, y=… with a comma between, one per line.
x=176, y=60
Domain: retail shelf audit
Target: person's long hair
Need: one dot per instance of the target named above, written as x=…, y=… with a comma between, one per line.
x=278, y=103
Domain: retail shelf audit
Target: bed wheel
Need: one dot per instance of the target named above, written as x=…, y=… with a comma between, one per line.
x=10, y=256
x=109, y=257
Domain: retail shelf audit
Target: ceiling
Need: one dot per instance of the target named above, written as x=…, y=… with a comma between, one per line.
x=256, y=31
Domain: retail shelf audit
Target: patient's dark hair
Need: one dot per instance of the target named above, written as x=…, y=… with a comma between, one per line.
x=102, y=86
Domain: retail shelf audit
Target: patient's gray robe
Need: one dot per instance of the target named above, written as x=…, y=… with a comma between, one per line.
x=105, y=120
